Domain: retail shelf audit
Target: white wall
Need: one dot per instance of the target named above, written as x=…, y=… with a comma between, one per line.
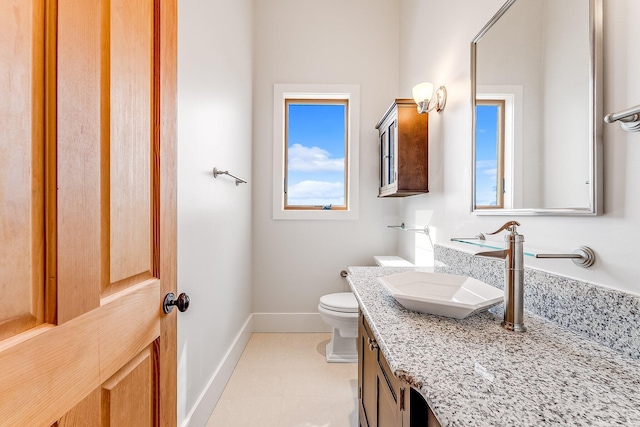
x=517, y=60
x=337, y=42
x=566, y=104
x=442, y=55
x=214, y=216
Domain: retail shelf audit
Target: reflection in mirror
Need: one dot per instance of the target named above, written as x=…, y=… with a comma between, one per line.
x=537, y=109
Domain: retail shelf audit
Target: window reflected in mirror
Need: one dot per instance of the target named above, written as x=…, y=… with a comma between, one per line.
x=490, y=141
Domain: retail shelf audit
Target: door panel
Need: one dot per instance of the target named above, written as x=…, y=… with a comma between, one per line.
x=74, y=358
x=21, y=166
x=128, y=397
x=87, y=201
x=33, y=391
x=86, y=413
x=77, y=143
x=131, y=139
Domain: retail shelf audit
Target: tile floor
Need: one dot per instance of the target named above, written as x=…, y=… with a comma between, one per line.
x=283, y=380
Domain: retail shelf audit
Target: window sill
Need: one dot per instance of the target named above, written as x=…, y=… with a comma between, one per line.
x=280, y=214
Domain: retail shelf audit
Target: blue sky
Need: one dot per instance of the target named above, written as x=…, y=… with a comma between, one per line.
x=486, y=154
x=316, y=154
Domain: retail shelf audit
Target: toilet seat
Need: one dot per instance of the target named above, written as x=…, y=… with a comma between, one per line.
x=342, y=302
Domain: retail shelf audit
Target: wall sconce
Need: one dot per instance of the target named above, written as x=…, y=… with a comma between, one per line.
x=423, y=96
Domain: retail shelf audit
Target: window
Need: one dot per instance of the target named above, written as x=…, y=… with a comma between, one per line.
x=315, y=152
x=490, y=179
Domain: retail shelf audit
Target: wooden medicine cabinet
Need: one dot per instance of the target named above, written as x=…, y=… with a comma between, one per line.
x=403, y=150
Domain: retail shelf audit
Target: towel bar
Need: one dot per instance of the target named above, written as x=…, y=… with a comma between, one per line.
x=629, y=119
x=216, y=172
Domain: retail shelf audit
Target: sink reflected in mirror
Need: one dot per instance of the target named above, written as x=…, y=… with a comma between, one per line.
x=446, y=295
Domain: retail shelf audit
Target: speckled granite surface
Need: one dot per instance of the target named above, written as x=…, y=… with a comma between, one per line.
x=474, y=373
x=609, y=317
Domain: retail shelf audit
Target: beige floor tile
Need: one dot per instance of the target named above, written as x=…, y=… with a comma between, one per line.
x=344, y=413
x=258, y=411
x=283, y=380
x=303, y=411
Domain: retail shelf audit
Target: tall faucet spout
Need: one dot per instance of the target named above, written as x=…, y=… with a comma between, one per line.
x=513, y=255
x=503, y=254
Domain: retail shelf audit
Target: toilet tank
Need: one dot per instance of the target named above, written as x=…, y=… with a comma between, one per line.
x=391, y=261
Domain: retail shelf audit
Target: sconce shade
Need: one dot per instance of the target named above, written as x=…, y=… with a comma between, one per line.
x=422, y=92
x=424, y=97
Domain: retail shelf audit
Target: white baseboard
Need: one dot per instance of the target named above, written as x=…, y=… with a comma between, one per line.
x=202, y=409
x=289, y=322
x=257, y=322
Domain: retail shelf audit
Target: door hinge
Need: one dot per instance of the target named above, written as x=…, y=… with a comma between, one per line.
x=402, y=398
x=360, y=393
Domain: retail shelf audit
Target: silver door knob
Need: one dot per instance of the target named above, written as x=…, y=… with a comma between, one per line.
x=170, y=300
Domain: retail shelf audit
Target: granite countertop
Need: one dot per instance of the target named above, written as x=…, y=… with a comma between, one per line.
x=472, y=372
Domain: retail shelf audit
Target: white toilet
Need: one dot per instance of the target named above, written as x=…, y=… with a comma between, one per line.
x=340, y=311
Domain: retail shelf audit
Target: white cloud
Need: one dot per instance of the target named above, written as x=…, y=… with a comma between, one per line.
x=312, y=159
x=486, y=199
x=316, y=193
x=487, y=167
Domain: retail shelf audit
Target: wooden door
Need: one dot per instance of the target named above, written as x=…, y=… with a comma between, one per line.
x=87, y=212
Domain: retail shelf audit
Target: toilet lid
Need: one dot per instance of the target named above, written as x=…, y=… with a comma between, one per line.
x=344, y=302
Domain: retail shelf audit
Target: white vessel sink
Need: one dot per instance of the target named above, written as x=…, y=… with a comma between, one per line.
x=441, y=294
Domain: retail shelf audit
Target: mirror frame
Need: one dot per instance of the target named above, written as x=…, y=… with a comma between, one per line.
x=595, y=120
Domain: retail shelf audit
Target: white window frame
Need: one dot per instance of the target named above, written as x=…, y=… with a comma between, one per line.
x=282, y=92
x=513, y=134
x=501, y=164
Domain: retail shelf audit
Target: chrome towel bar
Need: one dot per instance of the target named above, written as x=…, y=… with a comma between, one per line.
x=629, y=119
x=426, y=230
x=403, y=227
x=216, y=172
x=583, y=256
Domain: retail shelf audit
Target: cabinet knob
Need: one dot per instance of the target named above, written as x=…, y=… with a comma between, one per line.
x=373, y=345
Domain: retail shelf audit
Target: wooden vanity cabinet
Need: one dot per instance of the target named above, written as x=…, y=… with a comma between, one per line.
x=367, y=376
x=403, y=150
x=383, y=399
x=391, y=395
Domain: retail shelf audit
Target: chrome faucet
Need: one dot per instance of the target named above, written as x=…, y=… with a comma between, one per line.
x=513, y=255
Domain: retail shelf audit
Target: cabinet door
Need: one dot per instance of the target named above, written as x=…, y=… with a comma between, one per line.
x=388, y=414
x=392, y=133
x=367, y=376
x=388, y=156
x=390, y=395
x=384, y=149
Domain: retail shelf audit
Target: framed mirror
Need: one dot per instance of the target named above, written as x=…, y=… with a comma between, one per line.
x=536, y=87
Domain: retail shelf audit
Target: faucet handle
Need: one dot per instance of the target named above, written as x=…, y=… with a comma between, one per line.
x=510, y=226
